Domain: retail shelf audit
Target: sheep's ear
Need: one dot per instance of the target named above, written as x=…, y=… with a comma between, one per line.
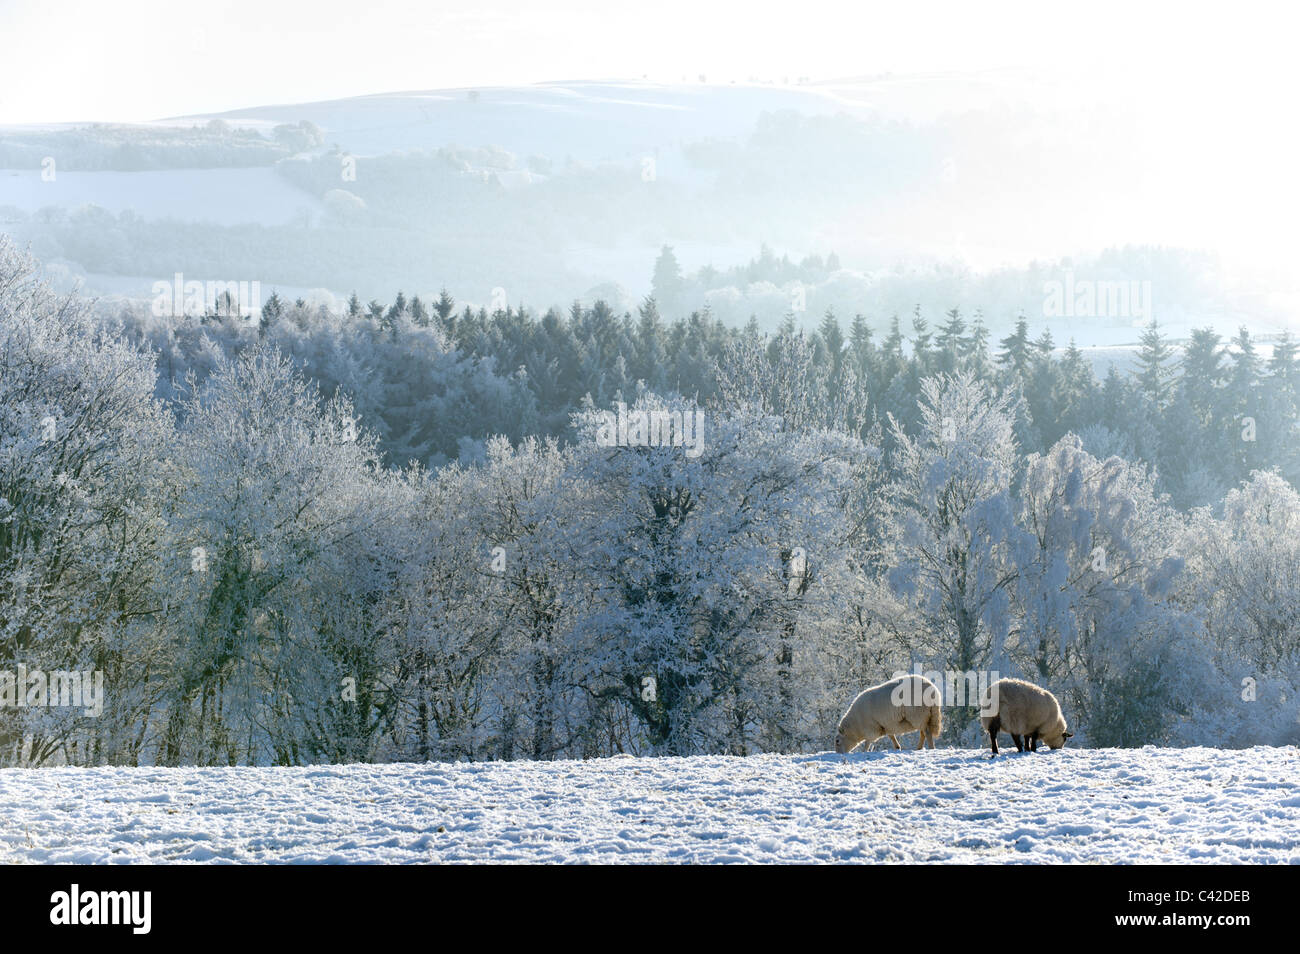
x=1069, y=735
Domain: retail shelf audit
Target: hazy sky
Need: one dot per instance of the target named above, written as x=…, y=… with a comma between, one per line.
x=146, y=59
x=1213, y=86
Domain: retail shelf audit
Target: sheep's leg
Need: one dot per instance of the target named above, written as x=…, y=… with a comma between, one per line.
x=1033, y=740
x=993, y=734
x=920, y=742
x=893, y=738
x=1020, y=744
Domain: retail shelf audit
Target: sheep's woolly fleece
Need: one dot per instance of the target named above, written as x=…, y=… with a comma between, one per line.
x=1074, y=805
x=874, y=713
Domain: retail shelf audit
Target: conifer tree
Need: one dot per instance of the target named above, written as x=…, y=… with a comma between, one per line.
x=1155, y=367
x=1015, y=349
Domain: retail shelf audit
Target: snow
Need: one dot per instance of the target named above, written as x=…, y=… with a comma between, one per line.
x=221, y=196
x=1072, y=806
x=591, y=121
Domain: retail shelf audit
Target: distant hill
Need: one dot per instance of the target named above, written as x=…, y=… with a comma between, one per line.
x=944, y=190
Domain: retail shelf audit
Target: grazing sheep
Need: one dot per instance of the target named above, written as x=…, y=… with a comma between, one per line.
x=1025, y=712
x=905, y=704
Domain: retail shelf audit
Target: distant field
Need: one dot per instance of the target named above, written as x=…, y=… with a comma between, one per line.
x=220, y=196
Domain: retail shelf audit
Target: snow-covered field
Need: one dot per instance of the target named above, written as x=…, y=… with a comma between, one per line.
x=1148, y=805
x=221, y=196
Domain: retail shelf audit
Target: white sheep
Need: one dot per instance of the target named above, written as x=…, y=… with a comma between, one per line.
x=904, y=704
x=1025, y=712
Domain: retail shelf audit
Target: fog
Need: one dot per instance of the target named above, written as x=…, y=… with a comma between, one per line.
x=936, y=174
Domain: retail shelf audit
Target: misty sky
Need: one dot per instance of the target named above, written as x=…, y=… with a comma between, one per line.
x=146, y=59
x=1213, y=162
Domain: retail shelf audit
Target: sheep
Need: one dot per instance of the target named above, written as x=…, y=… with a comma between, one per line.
x=907, y=703
x=1022, y=710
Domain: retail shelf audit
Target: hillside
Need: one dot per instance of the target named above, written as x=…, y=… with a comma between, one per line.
x=939, y=190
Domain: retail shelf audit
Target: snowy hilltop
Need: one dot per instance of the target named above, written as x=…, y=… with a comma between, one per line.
x=1073, y=806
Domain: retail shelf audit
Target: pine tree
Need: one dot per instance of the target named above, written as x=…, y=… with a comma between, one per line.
x=1015, y=349
x=833, y=340
x=1116, y=401
x=1246, y=403
x=1155, y=370
x=1284, y=365
x=419, y=315
x=1078, y=389
x=862, y=349
x=271, y=313
x=446, y=311
x=396, y=311
x=892, y=359
x=650, y=345
x=1202, y=373
x=1284, y=391
x=1244, y=376
x=952, y=341
x=921, y=342
x=976, y=356
x=1043, y=391
x=666, y=287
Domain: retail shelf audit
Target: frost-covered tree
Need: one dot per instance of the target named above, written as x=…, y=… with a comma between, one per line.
x=84, y=482
x=953, y=532
x=707, y=558
x=1093, y=618
x=781, y=376
x=278, y=488
x=1250, y=557
x=447, y=645
x=540, y=594
x=1243, y=583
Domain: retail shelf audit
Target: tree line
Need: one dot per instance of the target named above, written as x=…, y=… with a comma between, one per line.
x=370, y=536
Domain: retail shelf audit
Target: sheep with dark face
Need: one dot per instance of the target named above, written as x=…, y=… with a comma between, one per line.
x=906, y=704
x=1026, y=712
